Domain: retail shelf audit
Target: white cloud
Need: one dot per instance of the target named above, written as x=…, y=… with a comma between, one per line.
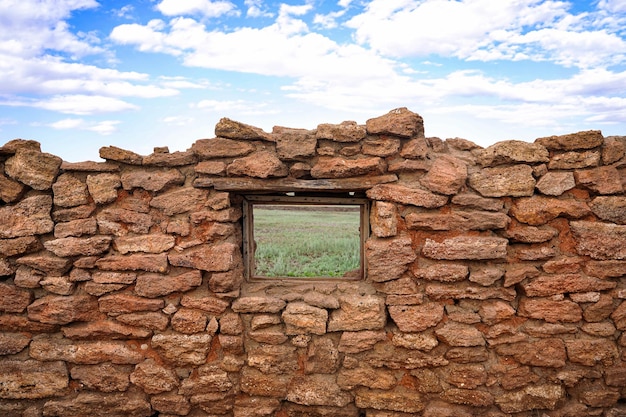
x=81, y=104
x=205, y=8
x=105, y=127
x=486, y=30
x=256, y=9
x=242, y=107
x=178, y=120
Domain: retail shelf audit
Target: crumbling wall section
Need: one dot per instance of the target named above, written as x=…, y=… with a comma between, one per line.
x=495, y=283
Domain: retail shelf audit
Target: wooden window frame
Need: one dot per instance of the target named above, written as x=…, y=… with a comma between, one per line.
x=252, y=200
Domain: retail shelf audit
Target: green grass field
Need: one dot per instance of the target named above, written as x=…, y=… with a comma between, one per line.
x=306, y=243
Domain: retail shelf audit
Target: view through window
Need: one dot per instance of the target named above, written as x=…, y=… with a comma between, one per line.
x=305, y=237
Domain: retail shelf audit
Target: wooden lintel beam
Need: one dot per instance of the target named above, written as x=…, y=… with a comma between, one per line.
x=290, y=184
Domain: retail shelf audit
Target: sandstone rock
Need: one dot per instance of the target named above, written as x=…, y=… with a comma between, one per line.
x=31, y=216
x=103, y=187
x=344, y=132
x=605, y=269
x=399, y=399
x=530, y=234
x=153, y=378
x=74, y=246
x=121, y=221
x=221, y=148
x=592, y=352
x=556, y=183
x=518, y=377
x=258, y=305
x=113, y=404
x=155, y=285
x=45, y=348
x=12, y=343
x=13, y=300
x=404, y=195
x=457, y=220
x=467, y=291
x=134, y=262
x=477, y=202
x=32, y=379
x=166, y=159
x=213, y=258
x=149, y=320
x=338, y=167
x=211, y=167
x=416, y=318
x=354, y=342
x=446, y=176
x=126, y=303
x=399, y=122
x=104, y=329
x=57, y=285
x=69, y=191
x=575, y=160
x=382, y=146
x=269, y=359
x=183, y=350
x=612, y=209
x=466, y=247
x=254, y=382
x=358, y=313
x=19, y=246
x=114, y=153
x=103, y=377
x=261, y=164
x=294, y=144
x=545, y=352
x=153, y=243
x=317, y=390
x=495, y=311
x=364, y=376
x=10, y=190
x=170, y=403
x=486, y=275
x=189, y=321
x=613, y=149
x=475, y=398
x=76, y=228
x=599, y=240
x=301, y=318
x=180, y=200
x=581, y=140
x=539, y=210
x=111, y=277
x=442, y=272
x=467, y=376
x=210, y=304
x=222, y=282
x=232, y=129
x=33, y=168
x=388, y=258
x=549, y=310
x=603, y=180
x=512, y=152
x=53, y=309
x=514, y=181
x=416, y=148
x=543, y=396
x=456, y=334
x=416, y=341
x=152, y=179
x=546, y=285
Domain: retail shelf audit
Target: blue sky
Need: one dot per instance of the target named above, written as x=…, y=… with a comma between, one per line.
x=77, y=75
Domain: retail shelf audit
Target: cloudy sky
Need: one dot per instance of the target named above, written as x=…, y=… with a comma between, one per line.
x=77, y=75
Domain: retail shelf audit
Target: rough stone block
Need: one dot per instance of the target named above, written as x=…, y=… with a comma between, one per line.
x=33, y=168
x=466, y=247
x=31, y=216
x=32, y=379
x=513, y=181
x=358, y=313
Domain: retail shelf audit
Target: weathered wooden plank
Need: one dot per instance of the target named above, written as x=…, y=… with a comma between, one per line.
x=290, y=184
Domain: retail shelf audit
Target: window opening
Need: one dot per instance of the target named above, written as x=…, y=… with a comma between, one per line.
x=305, y=237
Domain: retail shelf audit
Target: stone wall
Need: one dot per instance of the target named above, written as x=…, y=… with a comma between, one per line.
x=495, y=280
